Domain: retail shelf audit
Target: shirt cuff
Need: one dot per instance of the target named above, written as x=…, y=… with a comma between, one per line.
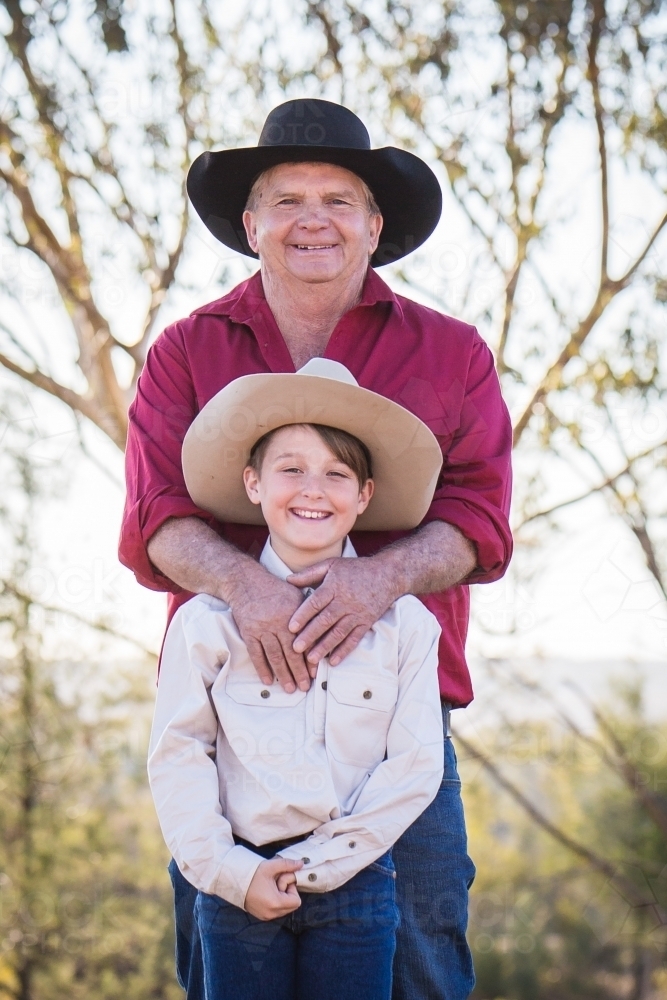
x=236, y=874
x=490, y=535
x=332, y=862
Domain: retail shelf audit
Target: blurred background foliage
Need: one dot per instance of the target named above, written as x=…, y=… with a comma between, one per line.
x=571, y=894
x=103, y=106
x=85, y=906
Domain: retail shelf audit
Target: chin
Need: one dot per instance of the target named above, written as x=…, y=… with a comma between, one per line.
x=309, y=543
x=312, y=543
x=316, y=274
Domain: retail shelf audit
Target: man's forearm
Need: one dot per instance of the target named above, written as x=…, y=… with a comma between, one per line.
x=197, y=559
x=191, y=554
x=433, y=559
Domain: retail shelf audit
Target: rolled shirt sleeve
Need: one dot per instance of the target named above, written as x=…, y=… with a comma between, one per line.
x=163, y=409
x=475, y=485
x=407, y=780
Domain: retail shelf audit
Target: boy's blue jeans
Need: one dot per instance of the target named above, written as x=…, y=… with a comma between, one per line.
x=338, y=945
x=434, y=873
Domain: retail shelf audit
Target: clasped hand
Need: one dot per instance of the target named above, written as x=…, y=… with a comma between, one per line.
x=287, y=636
x=272, y=892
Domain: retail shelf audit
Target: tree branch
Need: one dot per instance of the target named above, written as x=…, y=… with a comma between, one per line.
x=596, y=861
x=77, y=402
x=654, y=804
x=97, y=626
x=593, y=76
x=623, y=281
x=610, y=481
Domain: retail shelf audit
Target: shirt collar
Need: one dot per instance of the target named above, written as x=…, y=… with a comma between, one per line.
x=274, y=564
x=244, y=301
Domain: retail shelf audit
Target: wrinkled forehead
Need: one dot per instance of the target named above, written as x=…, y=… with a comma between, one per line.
x=297, y=175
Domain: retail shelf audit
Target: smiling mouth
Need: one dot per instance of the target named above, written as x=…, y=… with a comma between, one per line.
x=320, y=246
x=310, y=515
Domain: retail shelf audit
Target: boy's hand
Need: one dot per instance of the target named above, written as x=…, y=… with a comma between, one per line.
x=272, y=892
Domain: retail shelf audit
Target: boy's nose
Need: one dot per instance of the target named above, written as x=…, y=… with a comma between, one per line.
x=313, y=487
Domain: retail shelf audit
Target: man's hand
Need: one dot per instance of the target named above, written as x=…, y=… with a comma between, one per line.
x=272, y=892
x=353, y=595
x=197, y=559
x=262, y=609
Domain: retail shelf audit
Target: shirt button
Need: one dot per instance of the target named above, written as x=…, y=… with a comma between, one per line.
x=368, y=694
x=267, y=694
x=312, y=877
x=352, y=843
x=306, y=861
x=324, y=685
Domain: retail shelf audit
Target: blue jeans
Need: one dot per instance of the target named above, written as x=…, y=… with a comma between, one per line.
x=434, y=873
x=338, y=945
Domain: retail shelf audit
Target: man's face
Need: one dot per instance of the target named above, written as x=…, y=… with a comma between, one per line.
x=312, y=223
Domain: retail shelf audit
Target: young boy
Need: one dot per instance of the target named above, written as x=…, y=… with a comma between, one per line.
x=282, y=808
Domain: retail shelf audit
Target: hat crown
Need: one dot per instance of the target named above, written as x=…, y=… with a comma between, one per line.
x=306, y=122
x=326, y=368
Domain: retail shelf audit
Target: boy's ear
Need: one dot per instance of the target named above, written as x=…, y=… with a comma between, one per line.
x=251, y=483
x=365, y=494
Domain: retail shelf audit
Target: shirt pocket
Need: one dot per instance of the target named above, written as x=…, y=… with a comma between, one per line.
x=360, y=707
x=262, y=721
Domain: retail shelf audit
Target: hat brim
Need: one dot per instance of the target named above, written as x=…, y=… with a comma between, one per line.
x=405, y=454
x=405, y=189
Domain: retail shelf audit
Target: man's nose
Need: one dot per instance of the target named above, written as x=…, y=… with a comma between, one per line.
x=313, y=216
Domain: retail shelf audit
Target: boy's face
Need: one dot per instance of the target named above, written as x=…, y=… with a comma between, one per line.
x=309, y=498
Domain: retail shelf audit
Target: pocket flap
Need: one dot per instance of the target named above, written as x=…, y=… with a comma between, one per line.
x=378, y=694
x=245, y=691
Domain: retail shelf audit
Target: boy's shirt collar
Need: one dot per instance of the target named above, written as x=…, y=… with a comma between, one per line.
x=274, y=564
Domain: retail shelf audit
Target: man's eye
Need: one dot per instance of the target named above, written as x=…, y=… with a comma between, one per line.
x=287, y=201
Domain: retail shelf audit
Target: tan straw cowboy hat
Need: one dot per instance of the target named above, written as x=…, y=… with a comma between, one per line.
x=405, y=454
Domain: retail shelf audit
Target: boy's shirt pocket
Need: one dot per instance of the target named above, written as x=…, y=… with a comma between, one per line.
x=260, y=720
x=360, y=707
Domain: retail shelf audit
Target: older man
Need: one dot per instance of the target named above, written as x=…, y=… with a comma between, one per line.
x=316, y=205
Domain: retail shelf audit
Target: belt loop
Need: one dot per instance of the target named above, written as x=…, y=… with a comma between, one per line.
x=446, y=719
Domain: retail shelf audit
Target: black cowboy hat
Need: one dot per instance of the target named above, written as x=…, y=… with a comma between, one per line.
x=405, y=188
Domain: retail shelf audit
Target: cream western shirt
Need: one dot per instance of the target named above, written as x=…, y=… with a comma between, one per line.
x=349, y=764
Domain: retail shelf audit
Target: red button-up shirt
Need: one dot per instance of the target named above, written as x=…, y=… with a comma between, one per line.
x=435, y=366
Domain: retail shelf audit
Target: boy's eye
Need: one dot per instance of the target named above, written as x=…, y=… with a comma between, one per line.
x=292, y=469
x=337, y=472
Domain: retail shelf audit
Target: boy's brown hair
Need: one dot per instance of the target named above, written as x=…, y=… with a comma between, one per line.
x=346, y=447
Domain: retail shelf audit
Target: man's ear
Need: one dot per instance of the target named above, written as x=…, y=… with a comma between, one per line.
x=375, y=228
x=365, y=494
x=250, y=230
x=251, y=483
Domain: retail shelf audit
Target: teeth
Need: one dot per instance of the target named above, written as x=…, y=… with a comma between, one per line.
x=316, y=514
x=302, y=246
